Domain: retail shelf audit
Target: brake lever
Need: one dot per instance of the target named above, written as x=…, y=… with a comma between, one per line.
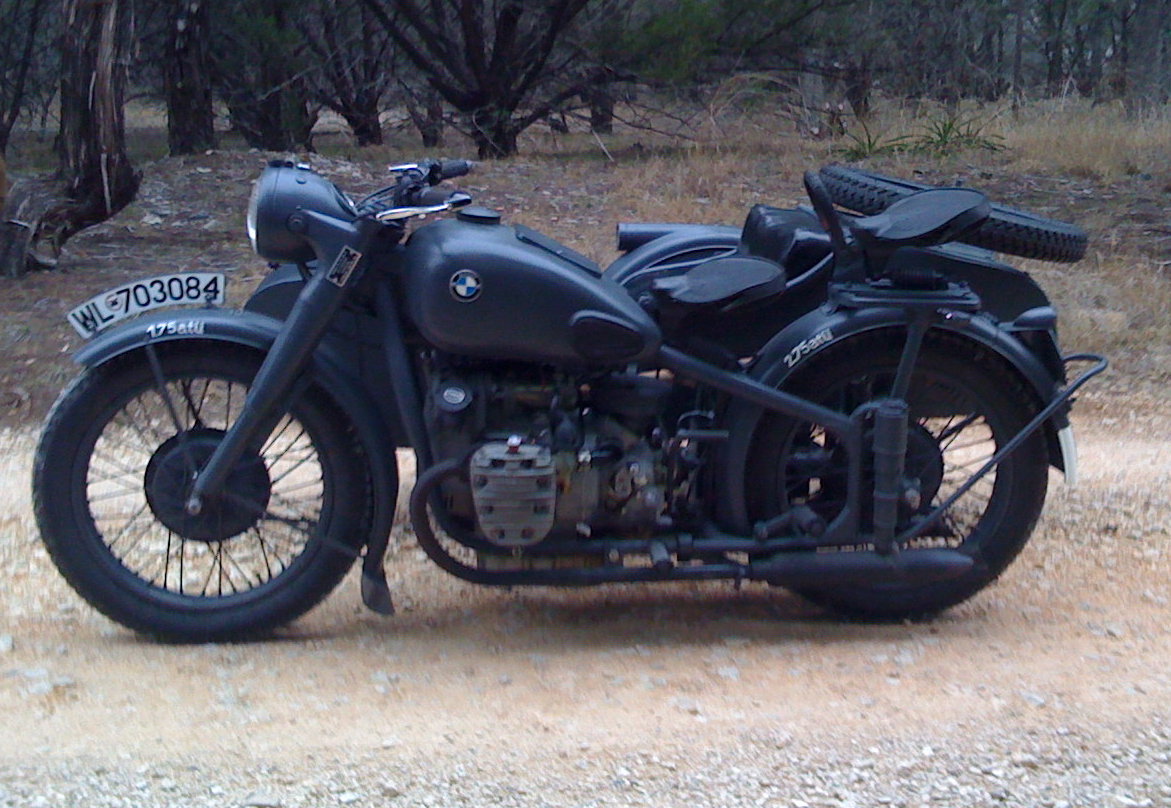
x=458, y=199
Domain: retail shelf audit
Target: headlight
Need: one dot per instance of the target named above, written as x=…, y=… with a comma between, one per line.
x=287, y=210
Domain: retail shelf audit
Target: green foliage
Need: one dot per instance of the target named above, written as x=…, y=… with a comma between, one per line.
x=953, y=131
x=673, y=43
x=261, y=59
x=872, y=144
x=942, y=134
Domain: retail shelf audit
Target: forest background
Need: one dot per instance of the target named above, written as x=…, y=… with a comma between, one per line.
x=649, y=109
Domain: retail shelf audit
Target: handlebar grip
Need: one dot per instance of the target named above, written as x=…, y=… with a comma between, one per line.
x=450, y=169
x=431, y=196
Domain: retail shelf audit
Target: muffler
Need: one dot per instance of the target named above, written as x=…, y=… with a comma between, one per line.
x=821, y=569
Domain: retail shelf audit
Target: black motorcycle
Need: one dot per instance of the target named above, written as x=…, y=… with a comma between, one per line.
x=860, y=408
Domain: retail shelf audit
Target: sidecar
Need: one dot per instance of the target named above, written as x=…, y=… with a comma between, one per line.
x=791, y=238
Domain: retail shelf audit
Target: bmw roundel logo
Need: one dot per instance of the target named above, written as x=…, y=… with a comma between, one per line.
x=465, y=286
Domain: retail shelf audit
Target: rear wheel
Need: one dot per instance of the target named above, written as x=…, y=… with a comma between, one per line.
x=112, y=475
x=965, y=404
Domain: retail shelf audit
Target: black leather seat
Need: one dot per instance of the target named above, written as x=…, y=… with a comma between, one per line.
x=791, y=238
x=722, y=283
x=719, y=286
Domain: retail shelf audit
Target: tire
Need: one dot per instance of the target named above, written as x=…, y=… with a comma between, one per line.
x=1008, y=230
x=273, y=545
x=965, y=404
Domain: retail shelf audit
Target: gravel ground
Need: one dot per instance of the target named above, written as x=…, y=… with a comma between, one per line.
x=1050, y=689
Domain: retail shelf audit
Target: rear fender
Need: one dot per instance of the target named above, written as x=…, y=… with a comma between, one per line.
x=205, y=329
x=818, y=329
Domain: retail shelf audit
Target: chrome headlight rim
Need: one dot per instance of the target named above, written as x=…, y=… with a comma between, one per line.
x=251, y=220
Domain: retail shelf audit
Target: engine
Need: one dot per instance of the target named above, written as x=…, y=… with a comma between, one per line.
x=550, y=456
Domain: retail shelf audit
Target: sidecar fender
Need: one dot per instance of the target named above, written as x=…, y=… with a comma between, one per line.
x=205, y=328
x=817, y=330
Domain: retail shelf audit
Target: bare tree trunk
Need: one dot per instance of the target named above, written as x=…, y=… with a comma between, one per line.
x=99, y=179
x=426, y=114
x=1145, y=69
x=494, y=133
x=187, y=75
x=1054, y=14
x=15, y=93
x=859, y=81
x=25, y=204
x=1018, y=89
x=601, y=102
x=432, y=129
x=366, y=125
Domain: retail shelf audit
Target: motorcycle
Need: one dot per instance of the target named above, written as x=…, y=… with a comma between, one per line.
x=861, y=408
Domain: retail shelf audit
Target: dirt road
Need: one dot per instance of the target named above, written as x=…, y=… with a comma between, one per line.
x=1052, y=688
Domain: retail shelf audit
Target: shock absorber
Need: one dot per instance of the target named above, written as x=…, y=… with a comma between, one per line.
x=890, y=453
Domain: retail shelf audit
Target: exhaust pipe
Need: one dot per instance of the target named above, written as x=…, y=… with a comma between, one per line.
x=861, y=567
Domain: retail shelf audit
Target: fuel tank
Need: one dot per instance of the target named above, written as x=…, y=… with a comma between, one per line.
x=480, y=288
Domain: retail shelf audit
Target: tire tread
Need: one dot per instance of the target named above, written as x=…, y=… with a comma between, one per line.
x=1008, y=230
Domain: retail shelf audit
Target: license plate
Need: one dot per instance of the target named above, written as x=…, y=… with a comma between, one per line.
x=114, y=305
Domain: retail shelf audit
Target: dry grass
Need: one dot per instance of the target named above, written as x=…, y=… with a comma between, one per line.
x=1064, y=159
x=1078, y=139
x=1069, y=137
x=1067, y=160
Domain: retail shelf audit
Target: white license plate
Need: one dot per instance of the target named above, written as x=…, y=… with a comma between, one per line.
x=114, y=305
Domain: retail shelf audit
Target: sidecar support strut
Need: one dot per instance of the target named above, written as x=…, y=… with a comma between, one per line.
x=1100, y=364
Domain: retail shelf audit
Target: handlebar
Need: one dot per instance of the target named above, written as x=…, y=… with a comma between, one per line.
x=414, y=193
x=449, y=169
x=427, y=197
x=823, y=206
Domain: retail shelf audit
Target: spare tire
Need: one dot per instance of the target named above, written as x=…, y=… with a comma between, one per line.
x=1008, y=230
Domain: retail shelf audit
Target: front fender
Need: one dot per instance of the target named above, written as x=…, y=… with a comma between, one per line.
x=817, y=330
x=212, y=325
x=204, y=329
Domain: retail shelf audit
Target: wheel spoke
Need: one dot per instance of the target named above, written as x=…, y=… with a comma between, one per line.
x=129, y=492
x=123, y=470
x=283, y=475
x=236, y=565
x=167, y=561
x=182, y=560
x=163, y=416
x=130, y=522
x=288, y=489
x=193, y=408
x=263, y=545
x=951, y=430
x=148, y=442
x=276, y=436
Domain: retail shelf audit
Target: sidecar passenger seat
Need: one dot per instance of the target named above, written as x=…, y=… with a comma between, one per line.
x=722, y=282
x=792, y=238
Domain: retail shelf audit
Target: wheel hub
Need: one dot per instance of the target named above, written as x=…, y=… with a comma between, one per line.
x=241, y=502
x=924, y=464
x=923, y=468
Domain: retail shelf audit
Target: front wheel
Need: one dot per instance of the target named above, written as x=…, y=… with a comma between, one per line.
x=112, y=474
x=965, y=404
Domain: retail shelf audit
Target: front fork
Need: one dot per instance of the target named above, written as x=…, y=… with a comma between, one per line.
x=290, y=354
